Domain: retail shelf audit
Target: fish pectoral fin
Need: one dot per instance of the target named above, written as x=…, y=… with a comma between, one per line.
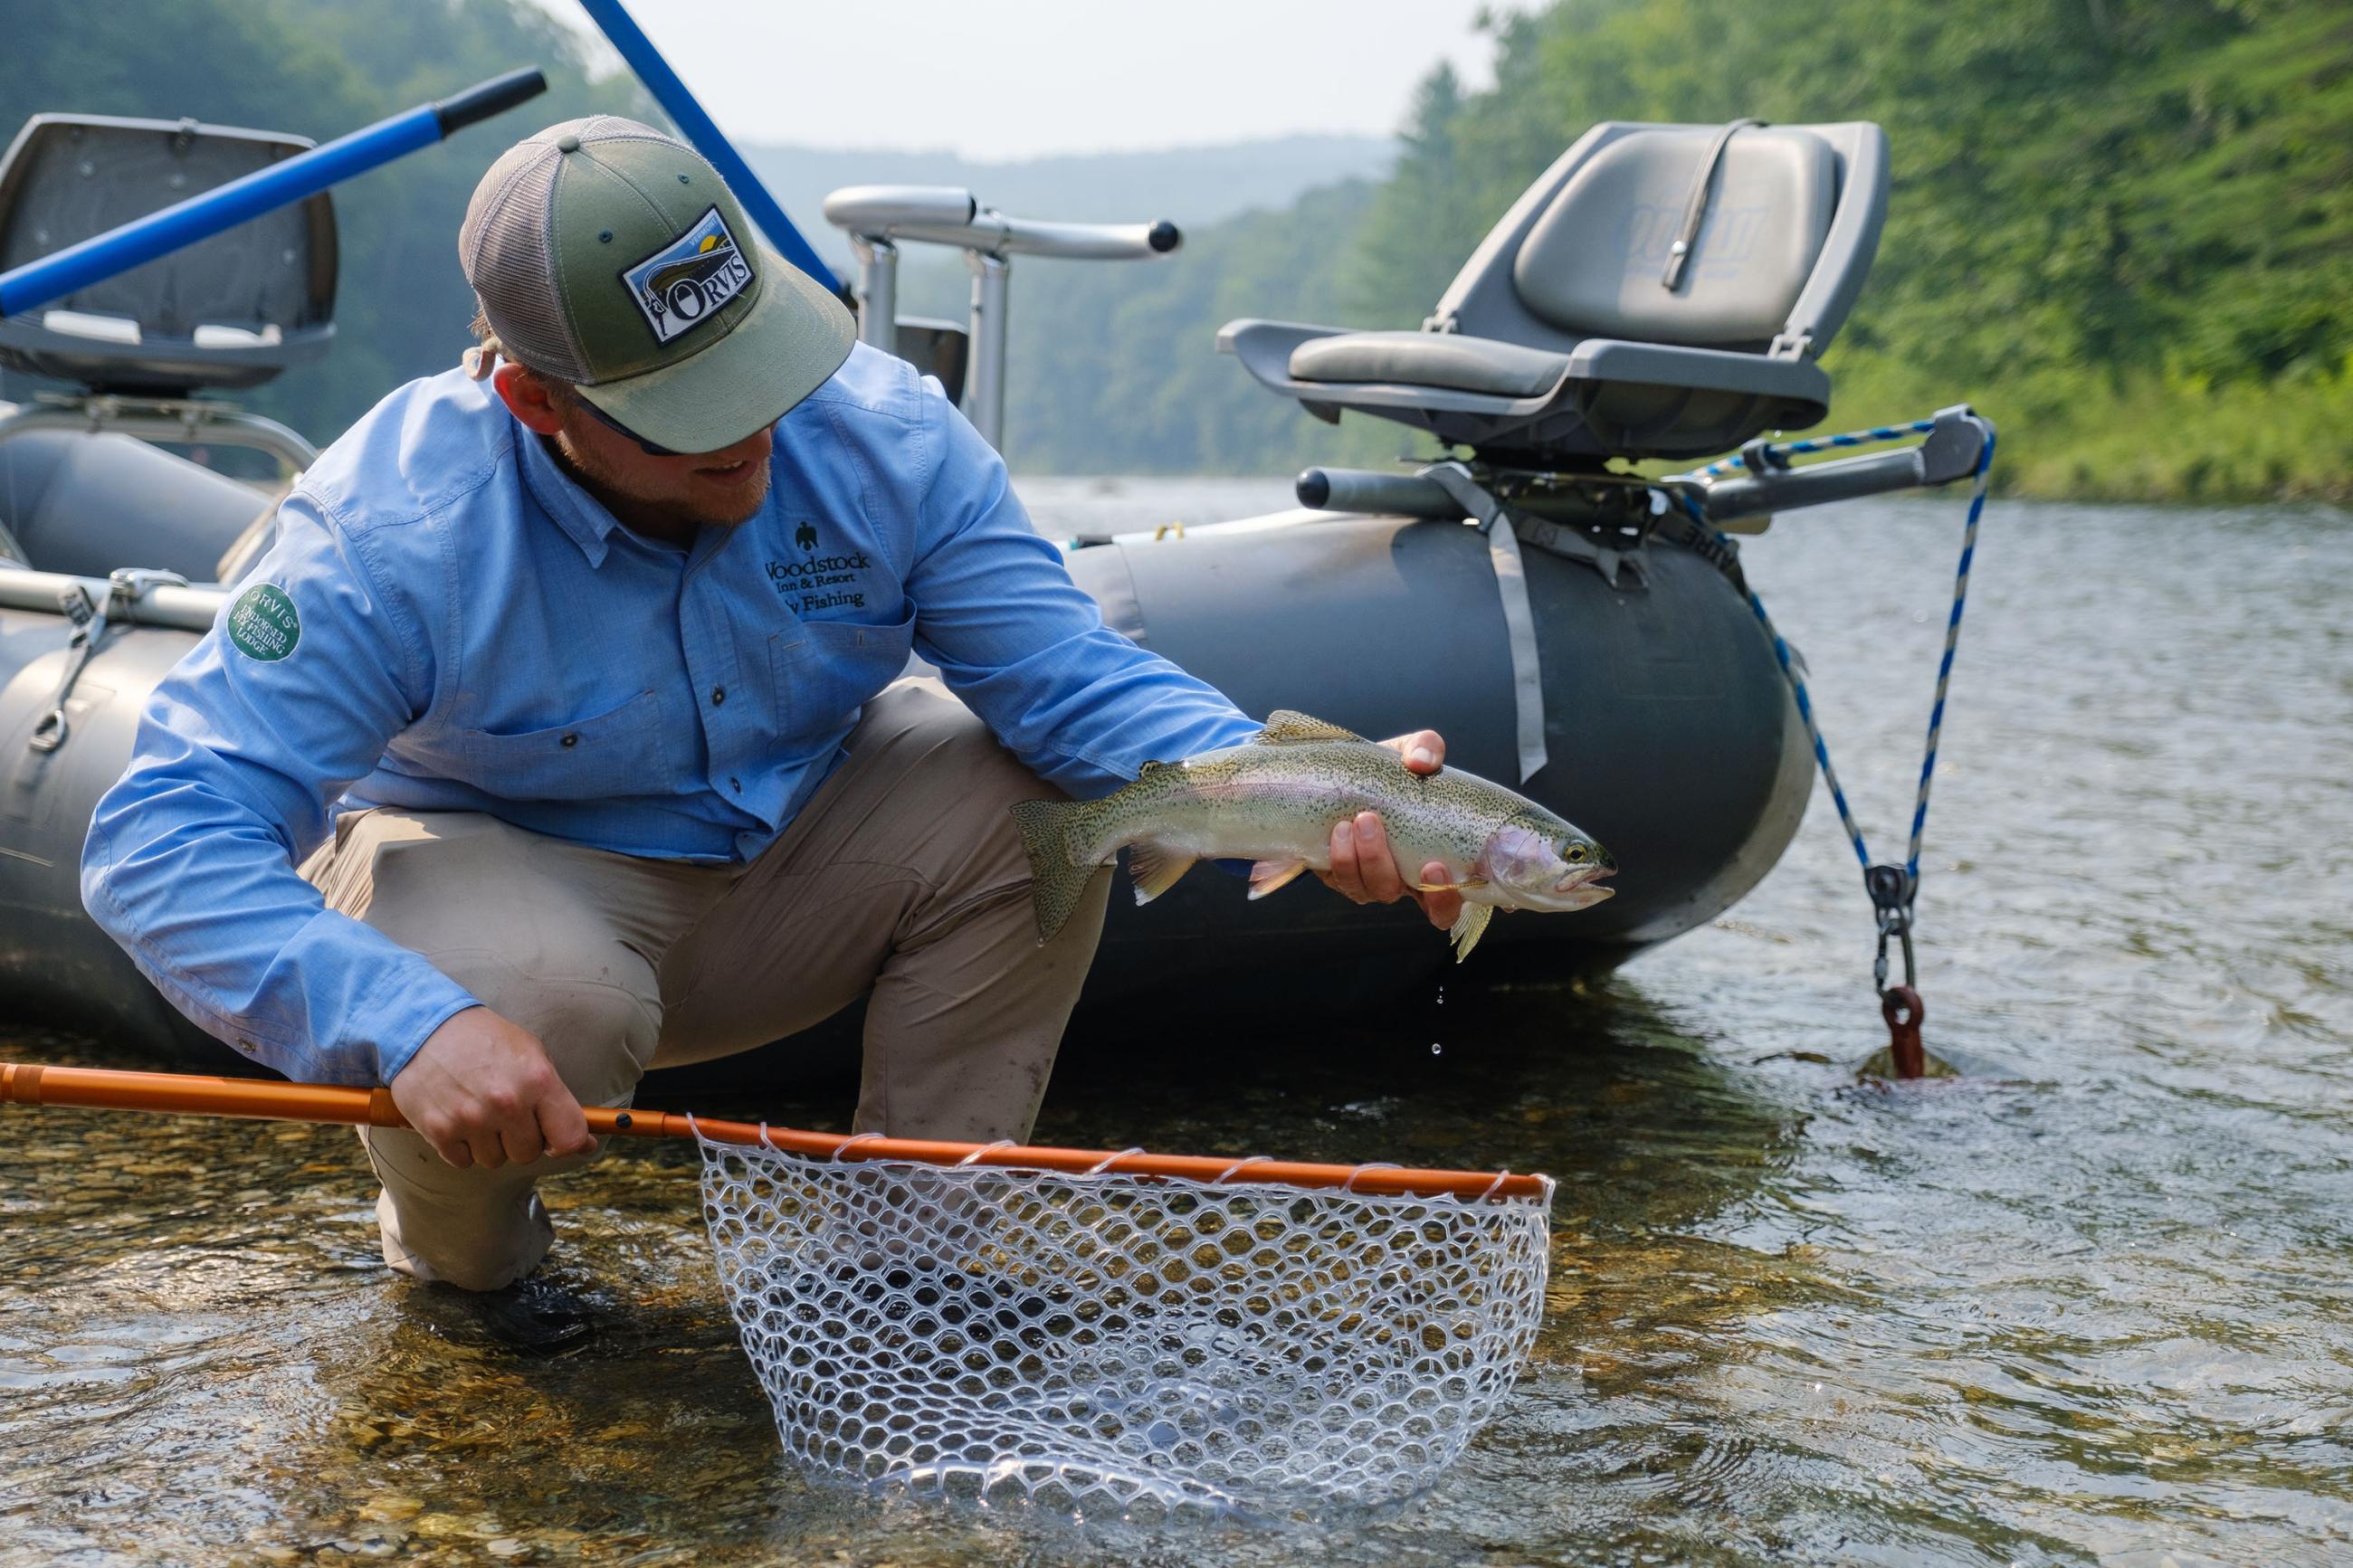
x=1272, y=876
x=1155, y=870
x=1286, y=728
x=1469, y=927
x=1461, y=887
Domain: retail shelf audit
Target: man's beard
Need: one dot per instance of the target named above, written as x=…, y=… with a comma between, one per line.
x=728, y=513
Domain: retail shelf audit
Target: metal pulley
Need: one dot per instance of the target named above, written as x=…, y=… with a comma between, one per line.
x=1890, y=893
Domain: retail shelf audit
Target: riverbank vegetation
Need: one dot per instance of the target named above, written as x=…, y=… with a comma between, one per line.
x=2122, y=227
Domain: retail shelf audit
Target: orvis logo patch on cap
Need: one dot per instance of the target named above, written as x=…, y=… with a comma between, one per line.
x=264, y=623
x=687, y=280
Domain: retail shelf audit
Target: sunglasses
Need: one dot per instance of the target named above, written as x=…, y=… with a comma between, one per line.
x=644, y=446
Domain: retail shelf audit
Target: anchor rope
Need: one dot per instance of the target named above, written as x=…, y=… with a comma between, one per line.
x=1796, y=676
x=1944, y=664
x=1876, y=436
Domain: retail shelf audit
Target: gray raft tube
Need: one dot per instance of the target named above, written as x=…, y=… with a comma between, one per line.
x=133, y=528
x=1672, y=734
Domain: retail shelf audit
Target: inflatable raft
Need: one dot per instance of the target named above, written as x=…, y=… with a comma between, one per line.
x=1660, y=295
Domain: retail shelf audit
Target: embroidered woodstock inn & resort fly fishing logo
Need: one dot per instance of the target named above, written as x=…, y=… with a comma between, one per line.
x=804, y=584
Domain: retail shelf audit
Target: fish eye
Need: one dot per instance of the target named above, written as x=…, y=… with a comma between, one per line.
x=1576, y=856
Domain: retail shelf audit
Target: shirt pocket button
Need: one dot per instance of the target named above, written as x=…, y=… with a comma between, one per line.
x=598, y=758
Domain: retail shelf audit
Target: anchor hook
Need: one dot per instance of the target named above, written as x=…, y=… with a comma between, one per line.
x=1902, y=1008
x=1892, y=890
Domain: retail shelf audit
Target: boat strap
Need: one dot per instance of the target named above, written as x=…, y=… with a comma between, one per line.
x=88, y=616
x=1695, y=205
x=1519, y=620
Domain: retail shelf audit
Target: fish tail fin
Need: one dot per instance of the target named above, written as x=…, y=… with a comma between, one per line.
x=1058, y=876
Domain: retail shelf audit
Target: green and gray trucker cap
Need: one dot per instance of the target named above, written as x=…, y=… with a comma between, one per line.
x=610, y=255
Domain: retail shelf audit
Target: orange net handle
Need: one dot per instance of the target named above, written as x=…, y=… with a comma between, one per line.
x=187, y=1094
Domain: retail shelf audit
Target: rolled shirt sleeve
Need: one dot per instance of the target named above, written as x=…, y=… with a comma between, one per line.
x=1026, y=648
x=190, y=862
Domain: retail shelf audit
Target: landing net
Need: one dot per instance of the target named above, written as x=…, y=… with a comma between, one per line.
x=1120, y=1344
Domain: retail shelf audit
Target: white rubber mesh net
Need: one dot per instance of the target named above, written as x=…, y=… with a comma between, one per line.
x=1112, y=1344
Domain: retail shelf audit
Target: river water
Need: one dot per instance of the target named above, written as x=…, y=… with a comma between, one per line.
x=2092, y=1301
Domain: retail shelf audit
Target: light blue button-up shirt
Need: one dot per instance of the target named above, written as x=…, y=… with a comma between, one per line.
x=447, y=622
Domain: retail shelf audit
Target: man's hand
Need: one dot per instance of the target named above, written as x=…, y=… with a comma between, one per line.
x=482, y=1092
x=1363, y=867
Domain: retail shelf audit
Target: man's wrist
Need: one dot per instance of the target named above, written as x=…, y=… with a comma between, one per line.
x=401, y=1029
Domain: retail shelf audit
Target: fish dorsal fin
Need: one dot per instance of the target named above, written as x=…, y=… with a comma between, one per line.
x=1285, y=728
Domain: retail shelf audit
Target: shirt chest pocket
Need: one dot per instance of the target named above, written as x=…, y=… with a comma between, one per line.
x=825, y=670
x=610, y=754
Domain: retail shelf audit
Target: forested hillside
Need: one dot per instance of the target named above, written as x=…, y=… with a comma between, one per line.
x=2125, y=227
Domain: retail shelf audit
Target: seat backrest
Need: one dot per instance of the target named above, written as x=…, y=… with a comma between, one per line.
x=1791, y=221
x=230, y=310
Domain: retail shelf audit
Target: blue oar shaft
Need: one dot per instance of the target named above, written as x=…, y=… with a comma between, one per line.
x=638, y=53
x=142, y=240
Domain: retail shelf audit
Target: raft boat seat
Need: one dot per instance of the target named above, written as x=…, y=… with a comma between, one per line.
x=1662, y=291
x=229, y=311
x=79, y=493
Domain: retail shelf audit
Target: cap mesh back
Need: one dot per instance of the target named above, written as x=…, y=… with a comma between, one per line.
x=614, y=128
x=505, y=248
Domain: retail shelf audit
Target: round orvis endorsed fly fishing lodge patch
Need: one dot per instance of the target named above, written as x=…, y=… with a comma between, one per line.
x=264, y=623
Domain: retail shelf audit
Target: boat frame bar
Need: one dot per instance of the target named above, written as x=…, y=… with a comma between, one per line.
x=142, y=600
x=183, y=420
x=879, y=220
x=1956, y=440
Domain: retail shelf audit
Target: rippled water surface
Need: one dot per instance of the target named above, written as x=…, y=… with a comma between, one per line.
x=2092, y=1301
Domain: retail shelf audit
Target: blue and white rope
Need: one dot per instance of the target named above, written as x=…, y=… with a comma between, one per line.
x=1870, y=437
x=1944, y=665
x=1943, y=669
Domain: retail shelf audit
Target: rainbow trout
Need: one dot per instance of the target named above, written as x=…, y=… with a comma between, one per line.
x=1273, y=801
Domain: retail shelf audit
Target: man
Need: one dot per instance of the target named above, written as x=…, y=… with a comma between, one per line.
x=572, y=684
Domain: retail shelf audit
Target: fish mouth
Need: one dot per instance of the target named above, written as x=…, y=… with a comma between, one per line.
x=1583, y=877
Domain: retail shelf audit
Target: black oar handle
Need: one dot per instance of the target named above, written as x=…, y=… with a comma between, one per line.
x=495, y=96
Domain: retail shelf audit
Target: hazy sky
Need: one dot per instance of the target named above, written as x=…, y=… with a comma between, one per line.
x=1016, y=78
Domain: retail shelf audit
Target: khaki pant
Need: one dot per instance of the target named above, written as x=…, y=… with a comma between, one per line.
x=902, y=881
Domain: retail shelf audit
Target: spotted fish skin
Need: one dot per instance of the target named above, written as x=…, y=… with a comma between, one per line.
x=1275, y=801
